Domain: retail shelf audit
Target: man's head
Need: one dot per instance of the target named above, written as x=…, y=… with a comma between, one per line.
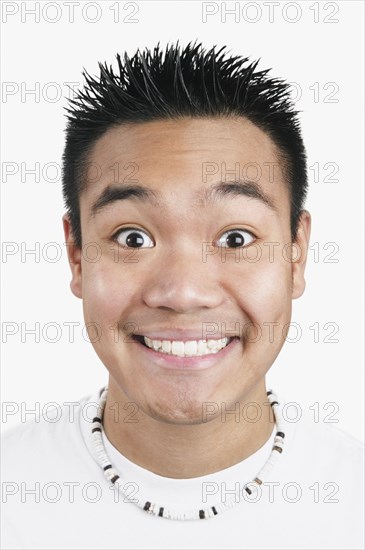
x=171, y=85
x=184, y=181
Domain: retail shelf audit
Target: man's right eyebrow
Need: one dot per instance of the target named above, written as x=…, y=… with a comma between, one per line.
x=114, y=193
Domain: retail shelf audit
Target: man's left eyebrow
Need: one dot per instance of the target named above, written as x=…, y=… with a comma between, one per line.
x=237, y=188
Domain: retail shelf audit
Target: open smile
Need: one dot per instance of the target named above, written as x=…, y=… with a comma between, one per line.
x=195, y=354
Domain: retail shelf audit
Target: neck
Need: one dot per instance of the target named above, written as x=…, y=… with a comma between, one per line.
x=189, y=450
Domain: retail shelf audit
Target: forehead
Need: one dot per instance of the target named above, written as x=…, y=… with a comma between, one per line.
x=186, y=156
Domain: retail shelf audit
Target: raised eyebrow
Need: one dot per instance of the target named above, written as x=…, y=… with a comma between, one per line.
x=237, y=188
x=218, y=191
x=114, y=193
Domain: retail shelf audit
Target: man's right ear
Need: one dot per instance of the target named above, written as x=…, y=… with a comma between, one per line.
x=74, y=258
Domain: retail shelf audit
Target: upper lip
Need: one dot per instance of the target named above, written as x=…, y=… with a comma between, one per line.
x=183, y=335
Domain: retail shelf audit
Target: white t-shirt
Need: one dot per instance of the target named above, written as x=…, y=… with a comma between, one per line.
x=55, y=495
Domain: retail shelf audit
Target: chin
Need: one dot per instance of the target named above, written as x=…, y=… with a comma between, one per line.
x=183, y=414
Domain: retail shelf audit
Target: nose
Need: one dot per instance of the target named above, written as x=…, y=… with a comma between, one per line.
x=183, y=282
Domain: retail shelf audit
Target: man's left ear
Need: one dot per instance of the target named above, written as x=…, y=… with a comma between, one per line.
x=300, y=253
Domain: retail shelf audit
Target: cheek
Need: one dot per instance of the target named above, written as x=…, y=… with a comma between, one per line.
x=265, y=292
x=107, y=293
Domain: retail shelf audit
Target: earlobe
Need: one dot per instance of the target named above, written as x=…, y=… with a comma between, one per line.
x=300, y=254
x=74, y=258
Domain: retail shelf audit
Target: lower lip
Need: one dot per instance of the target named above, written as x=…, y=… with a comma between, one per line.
x=194, y=363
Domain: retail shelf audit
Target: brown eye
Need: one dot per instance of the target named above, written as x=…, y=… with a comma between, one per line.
x=133, y=238
x=236, y=238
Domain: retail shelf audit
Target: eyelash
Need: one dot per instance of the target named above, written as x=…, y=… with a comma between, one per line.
x=115, y=236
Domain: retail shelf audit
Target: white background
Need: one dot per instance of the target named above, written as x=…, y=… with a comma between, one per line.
x=304, y=52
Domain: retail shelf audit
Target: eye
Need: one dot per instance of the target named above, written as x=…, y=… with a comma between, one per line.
x=235, y=238
x=131, y=237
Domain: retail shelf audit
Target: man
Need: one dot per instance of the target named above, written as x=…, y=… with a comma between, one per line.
x=184, y=181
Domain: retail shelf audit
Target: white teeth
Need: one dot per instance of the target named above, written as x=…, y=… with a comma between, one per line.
x=187, y=349
x=190, y=348
x=202, y=347
x=156, y=344
x=166, y=346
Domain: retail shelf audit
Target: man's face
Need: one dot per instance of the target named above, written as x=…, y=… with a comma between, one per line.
x=213, y=267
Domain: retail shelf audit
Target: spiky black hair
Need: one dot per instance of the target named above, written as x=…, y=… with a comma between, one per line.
x=188, y=82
